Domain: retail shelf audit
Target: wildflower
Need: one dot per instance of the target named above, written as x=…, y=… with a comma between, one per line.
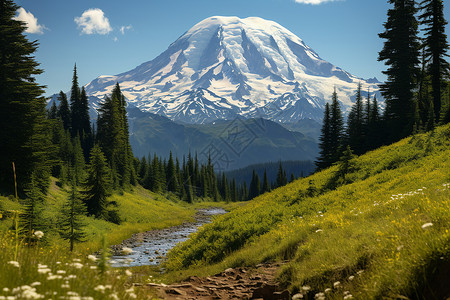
x=319, y=230
x=76, y=260
x=426, y=225
x=360, y=272
x=93, y=267
x=100, y=288
x=130, y=290
x=65, y=286
x=76, y=265
x=306, y=288
x=126, y=251
x=92, y=257
x=128, y=273
x=114, y=296
x=337, y=284
x=319, y=296
x=351, y=278
x=61, y=272
x=132, y=295
x=349, y=296
x=44, y=270
x=14, y=263
x=35, y=284
x=327, y=290
x=38, y=234
x=5, y=290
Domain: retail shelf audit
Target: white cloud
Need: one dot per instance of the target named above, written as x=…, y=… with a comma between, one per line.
x=123, y=28
x=93, y=21
x=115, y=39
x=314, y=2
x=30, y=21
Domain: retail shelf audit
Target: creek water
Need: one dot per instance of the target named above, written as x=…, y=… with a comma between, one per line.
x=151, y=247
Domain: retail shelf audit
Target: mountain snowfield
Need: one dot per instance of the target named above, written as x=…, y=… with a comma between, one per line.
x=225, y=67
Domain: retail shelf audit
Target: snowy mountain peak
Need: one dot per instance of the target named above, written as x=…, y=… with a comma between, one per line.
x=226, y=66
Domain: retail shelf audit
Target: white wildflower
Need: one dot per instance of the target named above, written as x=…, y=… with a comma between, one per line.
x=76, y=265
x=65, y=286
x=319, y=296
x=92, y=257
x=426, y=225
x=93, y=267
x=36, y=283
x=14, y=263
x=114, y=296
x=327, y=290
x=76, y=260
x=44, y=270
x=61, y=272
x=39, y=234
x=360, y=272
x=351, y=278
x=5, y=290
x=132, y=295
x=349, y=296
x=306, y=288
x=128, y=273
x=100, y=288
x=319, y=230
x=337, y=284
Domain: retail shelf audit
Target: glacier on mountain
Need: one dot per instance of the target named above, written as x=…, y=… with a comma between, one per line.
x=225, y=67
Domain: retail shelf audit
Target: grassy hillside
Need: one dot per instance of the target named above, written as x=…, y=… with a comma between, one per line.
x=382, y=231
x=49, y=270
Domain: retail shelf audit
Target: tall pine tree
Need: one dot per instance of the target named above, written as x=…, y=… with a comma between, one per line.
x=336, y=129
x=324, y=159
x=400, y=53
x=436, y=49
x=24, y=131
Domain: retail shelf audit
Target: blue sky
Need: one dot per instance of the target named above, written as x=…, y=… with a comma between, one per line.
x=343, y=32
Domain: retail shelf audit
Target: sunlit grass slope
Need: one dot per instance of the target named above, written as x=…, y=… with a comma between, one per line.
x=383, y=233
x=48, y=270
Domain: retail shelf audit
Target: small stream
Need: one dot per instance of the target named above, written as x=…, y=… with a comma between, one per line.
x=151, y=247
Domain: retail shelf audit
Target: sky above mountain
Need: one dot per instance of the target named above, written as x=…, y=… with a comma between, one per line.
x=110, y=37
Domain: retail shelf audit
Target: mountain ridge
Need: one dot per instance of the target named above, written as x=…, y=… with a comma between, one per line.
x=224, y=67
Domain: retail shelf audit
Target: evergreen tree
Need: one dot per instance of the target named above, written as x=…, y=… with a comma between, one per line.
x=22, y=107
x=424, y=101
x=336, y=129
x=31, y=219
x=75, y=105
x=53, y=111
x=400, y=53
x=72, y=218
x=255, y=186
x=234, y=191
x=281, y=176
x=64, y=111
x=355, y=127
x=324, y=159
x=266, y=185
x=97, y=185
x=346, y=166
x=172, y=179
x=436, y=47
x=112, y=136
x=374, y=131
x=78, y=163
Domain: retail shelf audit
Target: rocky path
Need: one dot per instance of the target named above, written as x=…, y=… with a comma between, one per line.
x=238, y=283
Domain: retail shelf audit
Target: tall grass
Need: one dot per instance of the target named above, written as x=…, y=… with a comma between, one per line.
x=368, y=234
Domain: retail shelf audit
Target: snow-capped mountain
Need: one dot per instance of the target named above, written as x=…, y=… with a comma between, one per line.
x=226, y=66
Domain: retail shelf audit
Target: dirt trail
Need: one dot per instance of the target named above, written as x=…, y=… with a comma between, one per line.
x=238, y=283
